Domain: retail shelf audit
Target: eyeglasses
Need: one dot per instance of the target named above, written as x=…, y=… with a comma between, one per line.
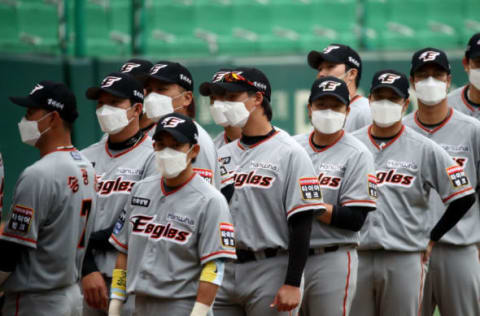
x=235, y=77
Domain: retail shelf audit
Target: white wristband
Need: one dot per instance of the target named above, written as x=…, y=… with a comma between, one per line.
x=115, y=308
x=200, y=309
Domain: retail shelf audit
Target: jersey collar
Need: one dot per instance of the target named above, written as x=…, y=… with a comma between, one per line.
x=176, y=189
x=387, y=144
x=255, y=145
x=315, y=149
x=355, y=98
x=145, y=136
x=432, y=131
x=465, y=101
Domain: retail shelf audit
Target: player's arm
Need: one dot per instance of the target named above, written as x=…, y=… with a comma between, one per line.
x=99, y=239
x=119, y=285
x=345, y=217
x=210, y=280
x=8, y=263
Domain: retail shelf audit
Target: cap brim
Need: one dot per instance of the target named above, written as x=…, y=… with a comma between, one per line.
x=475, y=54
x=315, y=59
x=429, y=62
x=159, y=78
x=179, y=137
x=24, y=101
x=208, y=88
x=322, y=94
x=397, y=91
x=93, y=93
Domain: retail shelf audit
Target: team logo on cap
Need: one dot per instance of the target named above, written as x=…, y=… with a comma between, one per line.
x=172, y=122
x=36, y=88
x=218, y=76
x=156, y=68
x=388, y=78
x=129, y=67
x=429, y=55
x=329, y=85
x=109, y=81
x=354, y=61
x=329, y=48
x=185, y=78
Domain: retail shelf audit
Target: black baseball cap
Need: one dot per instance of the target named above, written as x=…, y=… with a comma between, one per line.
x=429, y=55
x=119, y=84
x=473, y=47
x=181, y=127
x=172, y=72
x=392, y=79
x=237, y=80
x=53, y=96
x=137, y=67
x=331, y=86
x=336, y=53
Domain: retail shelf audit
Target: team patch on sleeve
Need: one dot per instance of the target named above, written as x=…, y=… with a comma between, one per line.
x=372, y=186
x=120, y=222
x=227, y=235
x=206, y=174
x=457, y=176
x=21, y=219
x=310, y=188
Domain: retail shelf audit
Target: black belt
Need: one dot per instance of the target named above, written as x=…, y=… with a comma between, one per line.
x=319, y=251
x=247, y=255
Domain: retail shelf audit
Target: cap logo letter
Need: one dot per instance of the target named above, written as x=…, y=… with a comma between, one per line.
x=36, y=88
x=109, y=81
x=156, y=68
x=329, y=48
x=388, y=78
x=329, y=85
x=218, y=76
x=172, y=122
x=428, y=56
x=129, y=66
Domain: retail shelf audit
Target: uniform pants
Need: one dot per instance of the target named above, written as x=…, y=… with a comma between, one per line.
x=389, y=283
x=453, y=281
x=127, y=310
x=152, y=306
x=249, y=288
x=66, y=301
x=330, y=283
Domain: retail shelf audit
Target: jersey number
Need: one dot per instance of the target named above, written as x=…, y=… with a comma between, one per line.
x=84, y=212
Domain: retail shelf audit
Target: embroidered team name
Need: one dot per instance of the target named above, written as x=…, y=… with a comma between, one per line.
x=252, y=179
x=144, y=226
x=139, y=201
x=327, y=181
x=392, y=177
x=118, y=185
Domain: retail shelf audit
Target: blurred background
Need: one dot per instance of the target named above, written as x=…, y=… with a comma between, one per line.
x=80, y=41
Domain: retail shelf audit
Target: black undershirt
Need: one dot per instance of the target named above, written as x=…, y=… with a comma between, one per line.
x=433, y=126
x=252, y=140
x=319, y=147
x=147, y=129
x=465, y=94
x=127, y=143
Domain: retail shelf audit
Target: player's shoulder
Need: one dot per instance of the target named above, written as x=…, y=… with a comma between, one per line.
x=361, y=132
x=219, y=140
x=203, y=134
x=418, y=141
x=465, y=119
x=302, y=139
x=360, y=102
x=352, y=145
x=95, y=147
x=409, y=118
x=457, y=93
x=205, y=190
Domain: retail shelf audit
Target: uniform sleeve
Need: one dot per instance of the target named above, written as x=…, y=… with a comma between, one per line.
x=216, y=231
x=445, y=176
x=360, y=183
x=120, y=234
x=150, y=168
x=302, y=189
x=226, y=169
x=32, y=200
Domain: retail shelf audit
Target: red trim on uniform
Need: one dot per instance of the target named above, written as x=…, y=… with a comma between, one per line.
x=465, y=101
x=360, y=201
x=176, y=189
x=315, y=149
x=145, y=136
x=456, y=193
x=218, y=253
x=306, y=206
x=17, y=305
x=432, y=131
x=18, y=237
x=420, y=294
x=118, y=242
x=387, y=144
x=345, y=297
x=61, y=149
x=260, y=142
x=151, y=127
x=355, y=98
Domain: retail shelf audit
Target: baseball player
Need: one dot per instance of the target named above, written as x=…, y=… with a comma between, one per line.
x=2, y=185
x=347, y=179
x=169, y=89
x=396, y=240
x=44, y=240
x=453, y=279
x=343, y=62
x=466, y=99
x=120, y=160
x=276, y=192
x=175, y=232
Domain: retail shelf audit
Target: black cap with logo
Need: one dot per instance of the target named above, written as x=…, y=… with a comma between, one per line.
x=51, y=96
x=172, y=72
x=473, y=47
x=237, y=80
x=429, y=55
x=119, y=84
x=137, y=67
x=336, y=53
x=392, y=79
x=330, y=86
x=181, y=127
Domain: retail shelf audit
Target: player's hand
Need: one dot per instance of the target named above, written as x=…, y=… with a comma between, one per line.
x=287, y=298
x=95, y=290
x=426, y=254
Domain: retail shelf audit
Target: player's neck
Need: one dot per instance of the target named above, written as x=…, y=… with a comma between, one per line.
x=145, y=121
x=321, y=139
x=128, y=132
x=386, y=132
x=50, y=143
x=473, y=94
x=257, y=125
x=232, y=132
x=431, y=115
x=181, y=179
x=352, y=90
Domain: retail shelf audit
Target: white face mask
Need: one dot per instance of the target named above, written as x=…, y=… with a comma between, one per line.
x=171, y=162
x=217, y=110
x=112, y=120
x=474, y=77
x=328, y=121
x=385, y=113
x=236, y=112
x=29, y=132
x=157, y=105
x=431, y=91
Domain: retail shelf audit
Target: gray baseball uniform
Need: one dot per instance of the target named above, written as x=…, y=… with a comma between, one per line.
x=220, y=140
x=191, y=224
x=458, y=101
x=346, y=174
x=391, y=273
x=274, y=179
x=52, y=216
x=359, y=115
x=453, y=280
